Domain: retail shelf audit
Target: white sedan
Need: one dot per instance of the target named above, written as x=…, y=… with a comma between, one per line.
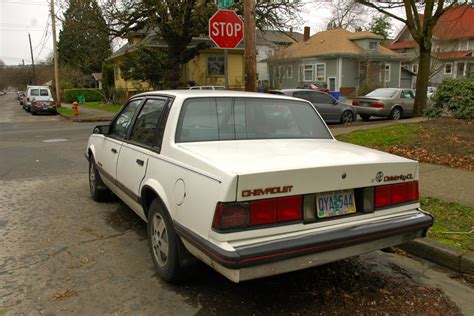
x=251, y=184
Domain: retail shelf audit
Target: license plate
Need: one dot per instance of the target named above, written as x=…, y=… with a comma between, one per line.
x=365, y=103
x=335, y=203
x=45, y=107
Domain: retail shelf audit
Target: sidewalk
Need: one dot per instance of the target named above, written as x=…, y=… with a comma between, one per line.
x=88, y=115
x=448, y=184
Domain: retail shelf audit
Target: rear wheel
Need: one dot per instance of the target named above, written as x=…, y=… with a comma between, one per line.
x=347, y=117
x=98, y=189
x=165, y=245
x=396, y=113
x=365, y=117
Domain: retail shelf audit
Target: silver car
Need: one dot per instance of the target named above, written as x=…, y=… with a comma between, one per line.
x=331, y=110
x=393, y=103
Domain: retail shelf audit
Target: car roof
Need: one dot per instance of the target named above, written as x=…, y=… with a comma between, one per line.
x=213, y=93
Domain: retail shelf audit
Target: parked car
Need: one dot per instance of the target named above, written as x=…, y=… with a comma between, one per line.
x=38, y=107
x=207, y=88
x=330, y=109
x=36, y=93
x=393, y=103
x=430, y=91
x=19, y=94
x=251, y=184
x=314, y=86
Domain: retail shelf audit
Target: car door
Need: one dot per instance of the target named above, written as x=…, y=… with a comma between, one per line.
x=407, y=101
x=108, y=148
x=325, y=105
x=133, y=158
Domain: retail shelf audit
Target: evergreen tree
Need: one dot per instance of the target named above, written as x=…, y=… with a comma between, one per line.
x=380, y=25
x=84, y=41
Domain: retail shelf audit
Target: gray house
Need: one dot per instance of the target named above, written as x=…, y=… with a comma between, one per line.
x=338, y=59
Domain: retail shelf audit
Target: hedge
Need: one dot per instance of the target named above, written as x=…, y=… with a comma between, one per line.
x=90, y=95
x=454, y=96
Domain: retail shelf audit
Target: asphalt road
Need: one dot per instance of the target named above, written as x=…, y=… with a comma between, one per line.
x=61, y=252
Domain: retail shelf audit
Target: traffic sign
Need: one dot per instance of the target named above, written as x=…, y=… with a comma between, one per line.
x=226, y=29
x=223, y=4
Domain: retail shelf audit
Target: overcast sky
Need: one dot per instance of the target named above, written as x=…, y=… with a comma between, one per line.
x=20, y=17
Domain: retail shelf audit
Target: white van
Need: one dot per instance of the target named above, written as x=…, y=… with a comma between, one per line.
x=36, y=93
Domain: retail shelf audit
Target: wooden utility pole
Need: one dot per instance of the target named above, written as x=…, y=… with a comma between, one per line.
x=32, y=59
x=55, y=54
x=250, y=46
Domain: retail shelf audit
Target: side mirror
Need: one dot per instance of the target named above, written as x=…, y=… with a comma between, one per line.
x=101, y=129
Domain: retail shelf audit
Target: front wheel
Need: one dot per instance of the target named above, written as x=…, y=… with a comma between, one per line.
x=165, y=245
x=396, y=114
x=99, y=191
x=347, y=117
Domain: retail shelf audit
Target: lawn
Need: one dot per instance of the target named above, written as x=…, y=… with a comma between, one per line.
x=448, y=142
x=102, y=106
x=65, y=111
x=454, y=223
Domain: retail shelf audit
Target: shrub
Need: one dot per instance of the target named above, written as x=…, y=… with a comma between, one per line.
x=455, y=97
x=366, y=88
x=90, y=95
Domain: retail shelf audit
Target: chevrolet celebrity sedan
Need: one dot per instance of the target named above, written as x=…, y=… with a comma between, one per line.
x=251, y=184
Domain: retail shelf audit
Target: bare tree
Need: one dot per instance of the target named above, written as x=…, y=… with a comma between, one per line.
x=421, y=29
x=347, y=14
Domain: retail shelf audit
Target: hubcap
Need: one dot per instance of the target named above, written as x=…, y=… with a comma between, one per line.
x=347, y=118
x=159, y=240
x=92, y=177
x=396, y=114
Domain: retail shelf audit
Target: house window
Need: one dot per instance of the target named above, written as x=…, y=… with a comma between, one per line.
x=463, y=44
x=448, y=69
x=289, y=71
x=321, y=72
x=372, y=45
x=415, y=68
x=387, y=72
x=308, y=73
x=215, y=65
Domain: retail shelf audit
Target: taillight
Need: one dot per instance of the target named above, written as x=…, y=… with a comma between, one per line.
x=394, y=194
x=260, y=212
x=377, y=105
x=355, y=103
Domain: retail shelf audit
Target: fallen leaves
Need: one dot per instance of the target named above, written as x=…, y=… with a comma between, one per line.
x=64, y=295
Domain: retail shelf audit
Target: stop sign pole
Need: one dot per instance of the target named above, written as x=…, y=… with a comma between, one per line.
x=226, y=30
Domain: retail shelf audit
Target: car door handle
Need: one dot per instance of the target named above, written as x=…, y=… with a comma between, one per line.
x=140, y=162
x=114, y=150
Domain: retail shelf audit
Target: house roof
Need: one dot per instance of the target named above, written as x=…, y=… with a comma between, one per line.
x=401, y=45
x=456, y=23
x=453, y=54
x=332, y=42
x=365, y=34
x=276, y=37
x=97, y=75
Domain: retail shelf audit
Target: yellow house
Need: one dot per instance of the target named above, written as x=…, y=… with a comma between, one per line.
x=206, y=68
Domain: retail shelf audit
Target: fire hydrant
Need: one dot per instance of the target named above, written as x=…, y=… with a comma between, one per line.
x=75, y=108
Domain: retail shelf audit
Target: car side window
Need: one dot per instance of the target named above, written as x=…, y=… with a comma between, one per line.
x=302, y=95
x=320, y=98
x=144, y=129
x=120, y=126
x=407, y=94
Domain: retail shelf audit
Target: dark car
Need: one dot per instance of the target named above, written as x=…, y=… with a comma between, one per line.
x=331, y=110
x=314, y=86
x=38, y=107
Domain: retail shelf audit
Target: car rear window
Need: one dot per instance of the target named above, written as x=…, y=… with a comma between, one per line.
x=44, y=92
x=34, y=92
x=382, y=93
x=213, y=119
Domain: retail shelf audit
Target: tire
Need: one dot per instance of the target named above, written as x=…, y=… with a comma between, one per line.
x=347, y=117
x=99, y=191
x=396, y=113
x=166, y=247
x=365, y=117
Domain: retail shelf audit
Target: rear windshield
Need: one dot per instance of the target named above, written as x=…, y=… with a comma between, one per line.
x=212, y=119
x=35, y=92
x=44, y=92
x=382, y=93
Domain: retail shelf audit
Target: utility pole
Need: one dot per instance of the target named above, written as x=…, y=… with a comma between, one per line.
x=55, y=54
x=250, y=45
x=32, y=60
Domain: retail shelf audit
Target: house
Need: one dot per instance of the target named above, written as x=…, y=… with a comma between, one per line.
x=338, y=59
x=267, y=42
x=97, y=76
x=452, y=46
x=207, y=68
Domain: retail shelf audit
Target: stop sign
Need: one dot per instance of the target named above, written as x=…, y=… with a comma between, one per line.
x=226, y=29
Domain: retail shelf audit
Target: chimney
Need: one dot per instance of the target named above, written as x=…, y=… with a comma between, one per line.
x=306, y=33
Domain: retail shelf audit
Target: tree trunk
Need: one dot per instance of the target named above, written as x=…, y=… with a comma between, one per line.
x=422, y=81
x=173, y=72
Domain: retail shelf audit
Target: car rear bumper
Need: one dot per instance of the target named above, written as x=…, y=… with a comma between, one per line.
x=313, y=249
x=372, y=111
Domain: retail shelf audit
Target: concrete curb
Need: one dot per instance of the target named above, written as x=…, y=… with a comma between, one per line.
x=441, y=254
x=85, y=119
